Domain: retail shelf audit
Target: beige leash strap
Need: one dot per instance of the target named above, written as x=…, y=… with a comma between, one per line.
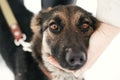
x=13, y=25
x=11, y=20
x=8, y=14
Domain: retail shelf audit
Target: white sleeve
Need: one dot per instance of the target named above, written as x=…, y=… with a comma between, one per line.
x=107, y=67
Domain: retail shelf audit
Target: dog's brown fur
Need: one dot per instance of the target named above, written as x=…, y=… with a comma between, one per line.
x=59, y=32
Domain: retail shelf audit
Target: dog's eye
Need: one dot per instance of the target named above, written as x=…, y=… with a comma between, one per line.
x=84, y=27
x=54, y=28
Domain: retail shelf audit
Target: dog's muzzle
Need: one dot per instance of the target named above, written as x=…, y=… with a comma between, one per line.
x=52, y=61
x=75, y=60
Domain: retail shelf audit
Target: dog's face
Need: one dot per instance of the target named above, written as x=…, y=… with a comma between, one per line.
x=64, y=32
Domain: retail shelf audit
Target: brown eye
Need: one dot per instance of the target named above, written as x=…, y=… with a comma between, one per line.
x=54, y=27
x=85, y=26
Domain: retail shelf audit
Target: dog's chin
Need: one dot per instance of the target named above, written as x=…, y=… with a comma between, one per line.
x=75, y=68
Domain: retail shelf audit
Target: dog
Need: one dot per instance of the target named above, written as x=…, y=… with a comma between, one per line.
x=62, y=32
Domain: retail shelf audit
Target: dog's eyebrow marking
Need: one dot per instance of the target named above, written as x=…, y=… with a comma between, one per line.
x=60, y=15
x=77, y=16
x=55, y=19
x=51, y=21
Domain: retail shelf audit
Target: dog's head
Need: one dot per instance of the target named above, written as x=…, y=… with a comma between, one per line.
x=63, y=32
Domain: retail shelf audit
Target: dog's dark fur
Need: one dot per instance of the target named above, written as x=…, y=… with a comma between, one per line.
x=21, y=63
x=63, y=32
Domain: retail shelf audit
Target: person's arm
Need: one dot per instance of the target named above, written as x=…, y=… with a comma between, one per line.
x=99, y=41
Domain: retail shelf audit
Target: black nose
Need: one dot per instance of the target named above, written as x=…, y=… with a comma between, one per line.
x=75, y=60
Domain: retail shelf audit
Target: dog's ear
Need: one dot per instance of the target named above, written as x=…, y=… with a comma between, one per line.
x=37, y=20
x=95, y=21
x=36, y=26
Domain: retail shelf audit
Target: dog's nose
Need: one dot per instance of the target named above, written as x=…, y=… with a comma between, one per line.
x=75, y=60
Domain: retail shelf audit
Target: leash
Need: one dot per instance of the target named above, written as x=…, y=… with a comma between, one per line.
x=14, y=26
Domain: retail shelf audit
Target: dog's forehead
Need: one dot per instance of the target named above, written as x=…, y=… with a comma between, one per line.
x=67, y=13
